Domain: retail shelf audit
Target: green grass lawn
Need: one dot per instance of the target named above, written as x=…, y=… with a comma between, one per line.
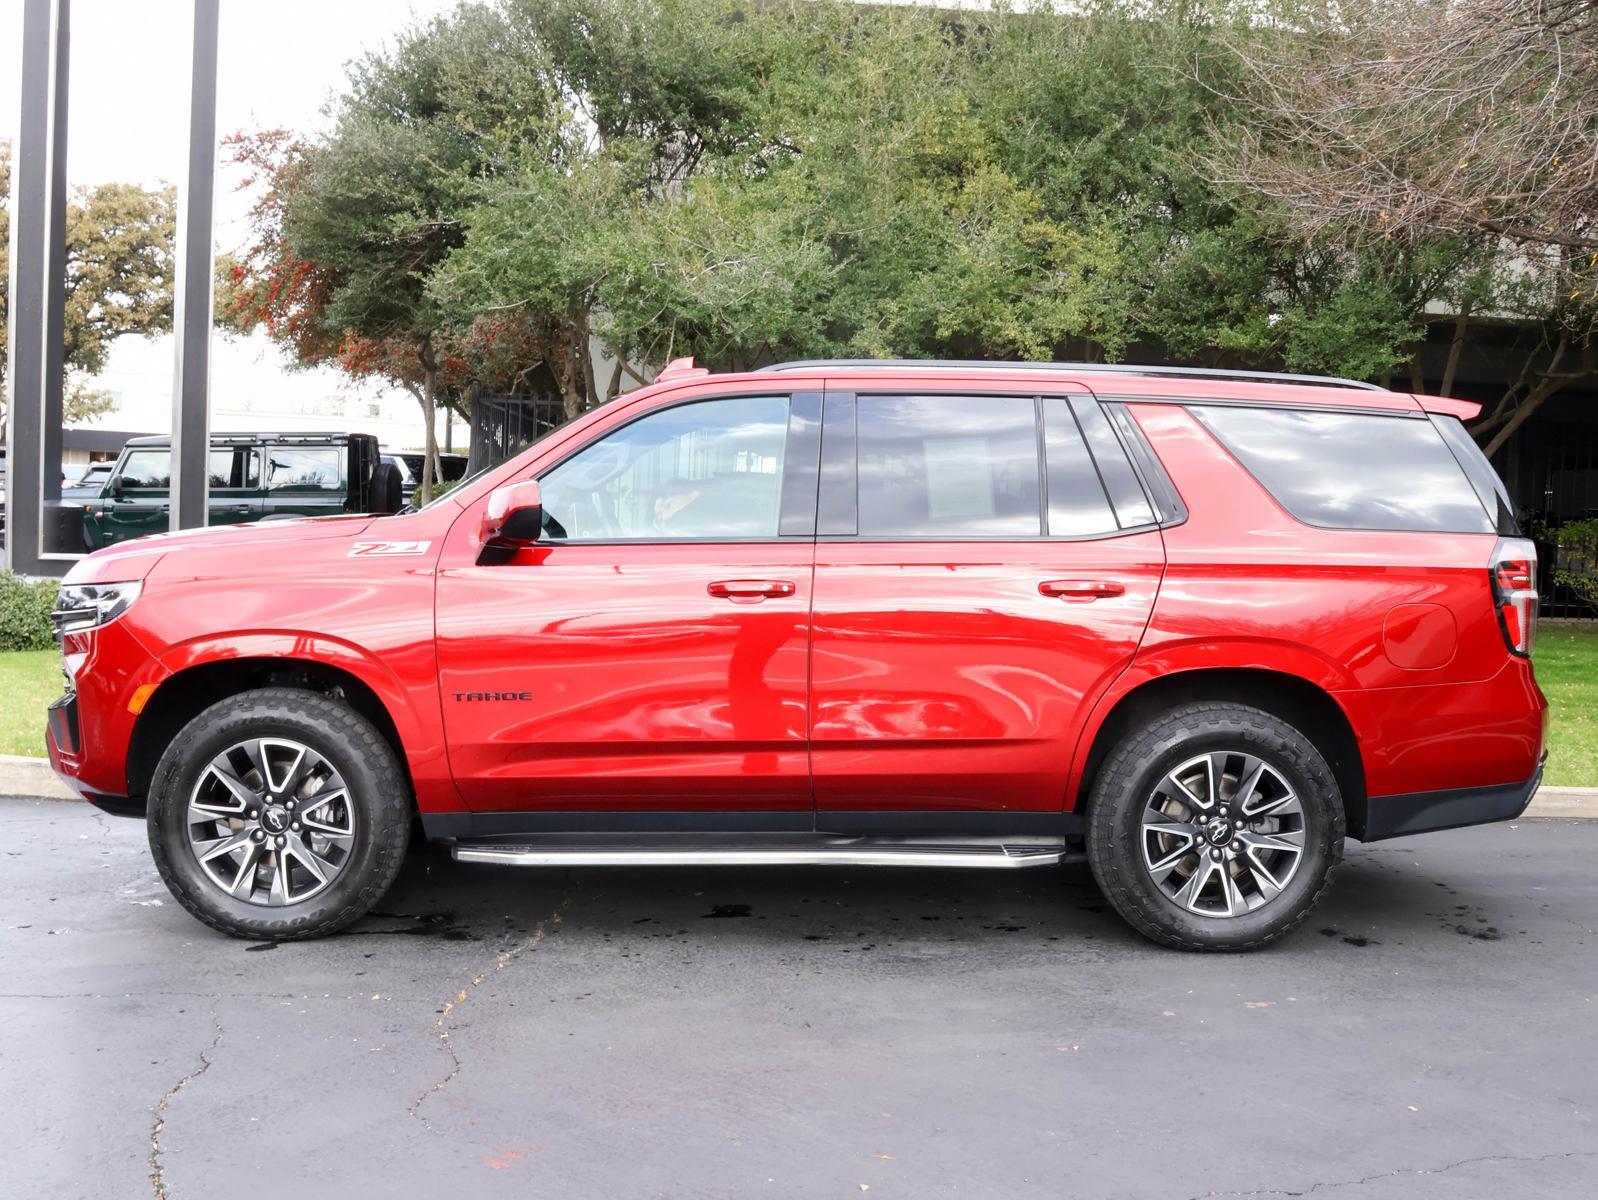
x=1567, y=668
x=29, y=680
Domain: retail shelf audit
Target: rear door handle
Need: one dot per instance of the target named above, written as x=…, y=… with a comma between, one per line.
x=1081, y=589
x=750, y=589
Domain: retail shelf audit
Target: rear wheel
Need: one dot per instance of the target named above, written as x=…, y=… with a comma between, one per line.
x=279, y=814
x=1216, y=826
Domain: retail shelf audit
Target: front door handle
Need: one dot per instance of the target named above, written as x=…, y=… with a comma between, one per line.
x=750, y=590
x=1081, y=589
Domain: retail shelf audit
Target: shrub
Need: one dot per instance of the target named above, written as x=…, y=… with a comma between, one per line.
x=25, y=612
x=440, y=486
x=1576, y=562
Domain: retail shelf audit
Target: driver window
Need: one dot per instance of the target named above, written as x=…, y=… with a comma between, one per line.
x=711, y=469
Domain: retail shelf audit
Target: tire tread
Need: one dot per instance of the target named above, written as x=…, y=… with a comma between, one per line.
x=1196, y=718
x=389, y=830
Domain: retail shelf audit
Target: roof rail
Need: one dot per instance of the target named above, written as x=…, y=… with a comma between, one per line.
x=810, y=364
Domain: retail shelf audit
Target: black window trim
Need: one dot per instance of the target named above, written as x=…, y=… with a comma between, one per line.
x=1040, y=437
x=786, y=393
x=838, y=494
x=798, y=490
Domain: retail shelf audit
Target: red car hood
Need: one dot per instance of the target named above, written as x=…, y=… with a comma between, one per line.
x=134, y=560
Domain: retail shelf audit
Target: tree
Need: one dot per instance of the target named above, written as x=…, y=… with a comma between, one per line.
x=119, y=260
x=875, y=180
x=348, y=229
x=1381, y=123
x=746, y=182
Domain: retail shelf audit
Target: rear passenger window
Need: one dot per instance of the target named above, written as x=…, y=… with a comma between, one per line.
x=1077, y=504
x=948, y=466
x=234, y=468
x=1352, y=470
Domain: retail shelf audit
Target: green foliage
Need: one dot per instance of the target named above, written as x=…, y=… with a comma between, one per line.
x=791, y=180
x=1566, y=657
x=120, y=241
x=1576, y=565
x=444, y=485
x=28, y=681
x=25, y=612
x=746, y=182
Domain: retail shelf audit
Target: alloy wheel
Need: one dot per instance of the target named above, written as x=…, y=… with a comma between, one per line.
x=270, y=822
x=1222, y=834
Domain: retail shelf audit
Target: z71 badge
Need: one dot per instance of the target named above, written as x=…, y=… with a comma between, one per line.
x=387, y=549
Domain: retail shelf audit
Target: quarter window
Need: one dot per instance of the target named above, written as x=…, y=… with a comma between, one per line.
x=1352, y=470
x=707, y=470
x=312, y=469
x=948, y=466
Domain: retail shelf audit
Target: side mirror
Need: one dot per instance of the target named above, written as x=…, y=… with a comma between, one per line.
x=514, y=516
x=116, y=486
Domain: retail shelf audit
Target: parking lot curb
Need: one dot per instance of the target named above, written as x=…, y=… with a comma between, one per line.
x=1581, y=803
x=22, y=776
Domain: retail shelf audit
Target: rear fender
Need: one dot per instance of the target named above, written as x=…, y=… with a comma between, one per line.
x=1172, y=659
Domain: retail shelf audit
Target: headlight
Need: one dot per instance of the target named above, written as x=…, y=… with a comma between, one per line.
x=82, y=606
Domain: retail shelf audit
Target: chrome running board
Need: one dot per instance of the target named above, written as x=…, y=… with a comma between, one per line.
x=853, y=852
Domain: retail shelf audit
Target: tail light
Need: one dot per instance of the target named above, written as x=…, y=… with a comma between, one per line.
x=1514, y=579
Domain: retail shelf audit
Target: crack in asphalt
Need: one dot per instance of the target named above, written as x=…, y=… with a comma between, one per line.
x=1463, y=1162
x=158, y=1111
x=441, y=1027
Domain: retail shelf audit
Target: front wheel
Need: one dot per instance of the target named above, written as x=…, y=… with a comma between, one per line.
x=278, y=814
x=1215, y=827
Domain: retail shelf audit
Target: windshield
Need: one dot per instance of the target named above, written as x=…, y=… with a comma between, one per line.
x=454, y=487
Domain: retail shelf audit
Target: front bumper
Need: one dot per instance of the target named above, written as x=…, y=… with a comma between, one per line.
x=88, y=730
x=1427, y=812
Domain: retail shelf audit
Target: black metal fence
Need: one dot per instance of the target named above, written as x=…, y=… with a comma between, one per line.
x=504, y=426
x=1568, y=484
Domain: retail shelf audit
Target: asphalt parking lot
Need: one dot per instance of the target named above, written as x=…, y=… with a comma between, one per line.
x=653, y=1033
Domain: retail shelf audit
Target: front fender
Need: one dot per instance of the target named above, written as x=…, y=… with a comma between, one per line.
x=413, y=711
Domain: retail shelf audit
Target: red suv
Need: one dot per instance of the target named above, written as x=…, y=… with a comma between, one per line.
x=1198, y=626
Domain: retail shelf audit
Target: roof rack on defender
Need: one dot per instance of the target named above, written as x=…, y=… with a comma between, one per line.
x=853, y=364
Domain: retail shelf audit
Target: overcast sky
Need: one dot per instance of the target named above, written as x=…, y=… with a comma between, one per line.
x=280, y=60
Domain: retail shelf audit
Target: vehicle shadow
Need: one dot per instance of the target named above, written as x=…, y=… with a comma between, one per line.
x=1372, y=902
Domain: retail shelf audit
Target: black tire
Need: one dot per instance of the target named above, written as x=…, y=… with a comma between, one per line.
x=388, y=489
x=1127, y=780
x=379, y=798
